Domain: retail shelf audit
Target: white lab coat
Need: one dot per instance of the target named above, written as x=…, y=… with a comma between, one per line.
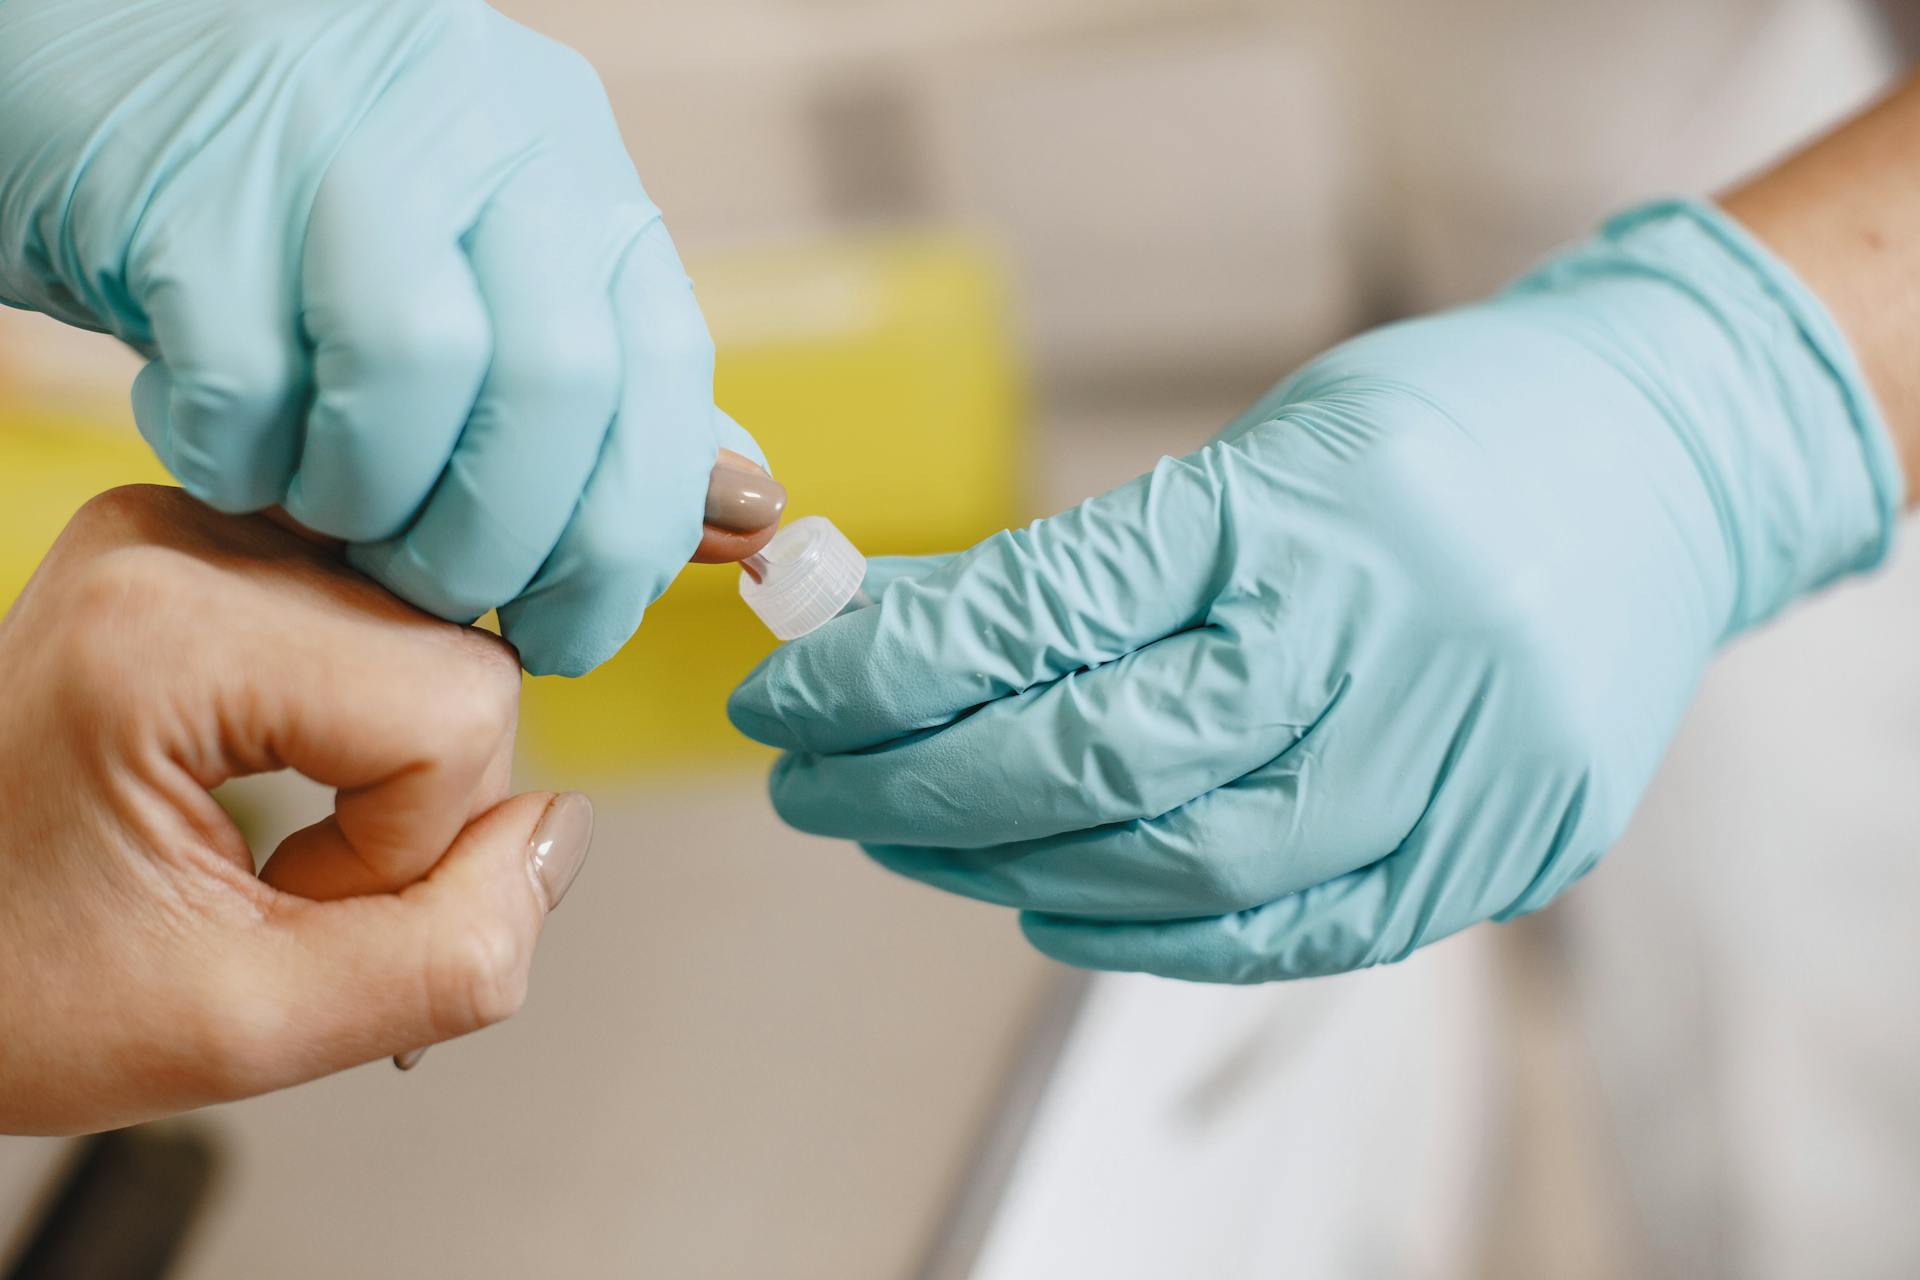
x=1738, y=1042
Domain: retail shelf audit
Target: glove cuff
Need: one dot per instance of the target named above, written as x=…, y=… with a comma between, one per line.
x=1772, y=405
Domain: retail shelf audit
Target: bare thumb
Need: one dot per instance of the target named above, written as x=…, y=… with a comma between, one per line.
x=388, y=973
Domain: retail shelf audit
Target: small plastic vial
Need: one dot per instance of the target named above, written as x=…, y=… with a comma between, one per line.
x=804, y=578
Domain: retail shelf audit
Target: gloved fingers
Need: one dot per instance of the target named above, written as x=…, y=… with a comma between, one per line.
x=1363, y=918
x=222, y=403
x=1024, y=608
x=1265, y=836
x=535, y=430
x=401, y=341
x=1467, y=859
x=1483, y=822
x=641, y=515
x=1135, y=738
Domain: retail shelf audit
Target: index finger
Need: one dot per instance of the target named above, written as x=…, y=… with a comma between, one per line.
x=417, y=745
x=314, y=668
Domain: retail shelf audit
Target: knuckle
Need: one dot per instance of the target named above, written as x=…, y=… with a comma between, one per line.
x=116, y=594
x=499, y=669
x=483, y=979
x=491, y=693
x=475, y=723
x=120, y=513
x=112, y=588
x=252, y=385
x=573, y=69
x=416, y=342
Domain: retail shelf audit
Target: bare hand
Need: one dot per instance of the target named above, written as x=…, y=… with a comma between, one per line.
x=162, y=649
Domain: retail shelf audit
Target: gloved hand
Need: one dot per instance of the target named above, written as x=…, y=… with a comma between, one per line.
x=394, y=271
x=1396, y=653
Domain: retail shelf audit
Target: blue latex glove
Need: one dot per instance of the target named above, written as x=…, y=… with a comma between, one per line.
x=394, y=271
x=1397, y=653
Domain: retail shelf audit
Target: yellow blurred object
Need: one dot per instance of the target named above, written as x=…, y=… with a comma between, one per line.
x=50, y=464
x=879, y=375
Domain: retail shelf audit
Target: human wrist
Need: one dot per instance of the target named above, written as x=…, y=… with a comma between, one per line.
x=1842, y=215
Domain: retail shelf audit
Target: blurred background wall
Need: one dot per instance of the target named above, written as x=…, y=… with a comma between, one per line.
x=1035, y=245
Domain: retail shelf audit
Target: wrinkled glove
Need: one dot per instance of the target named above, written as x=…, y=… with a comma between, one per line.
x=1398, y=652
x=394, y=272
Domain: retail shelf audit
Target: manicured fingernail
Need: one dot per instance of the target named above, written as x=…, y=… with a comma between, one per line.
x=742, y=497
x=409, y=1060
x=559, y=846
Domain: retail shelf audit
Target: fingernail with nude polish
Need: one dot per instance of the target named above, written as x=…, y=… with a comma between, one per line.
x=555, y=853
x=559, y=846
x=742, y=497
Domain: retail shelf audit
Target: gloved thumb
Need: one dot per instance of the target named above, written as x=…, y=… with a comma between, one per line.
x=387, y=973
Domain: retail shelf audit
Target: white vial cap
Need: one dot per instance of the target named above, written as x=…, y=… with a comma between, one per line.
x=803, y=578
